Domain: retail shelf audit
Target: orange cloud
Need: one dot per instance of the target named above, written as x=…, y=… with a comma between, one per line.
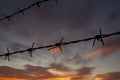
x=41, y=75
x=104, y=51
x=11, y=79
x=108, y=76
x=54, y=50
x=63, y=78
x=30, y=73
x=62, y=73
x=71, y=78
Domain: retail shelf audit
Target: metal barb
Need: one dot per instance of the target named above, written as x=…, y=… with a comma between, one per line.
x=8, y=17
x=30, y=50
x=38, y=4
x=99, y=38
x=58, y=45
x=24, y=9
x=56, y=1
x=21, y=11
x=7, y=55
x=61, y=43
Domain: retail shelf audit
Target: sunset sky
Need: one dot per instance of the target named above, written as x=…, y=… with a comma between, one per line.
x=71, y=19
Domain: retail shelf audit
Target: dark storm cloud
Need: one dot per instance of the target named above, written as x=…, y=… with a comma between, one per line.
x=70, y=18
x=54, y=17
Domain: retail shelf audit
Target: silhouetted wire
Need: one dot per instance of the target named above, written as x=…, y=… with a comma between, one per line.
x=56, y=45
x=24, y=9
x=59, y=44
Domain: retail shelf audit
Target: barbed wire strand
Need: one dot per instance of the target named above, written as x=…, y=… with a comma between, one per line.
x=21, y=11
x=59, y=45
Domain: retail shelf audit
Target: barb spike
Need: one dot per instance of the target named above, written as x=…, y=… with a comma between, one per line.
x=58, y=45
x=21, y=11
x=30, y=50
x=99, y=38
x=7, y=55
x=56, y=1
x=8, y=17
x=38, y=4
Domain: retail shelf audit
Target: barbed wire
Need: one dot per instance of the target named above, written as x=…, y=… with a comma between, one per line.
x=21, y=11
x=98, y=37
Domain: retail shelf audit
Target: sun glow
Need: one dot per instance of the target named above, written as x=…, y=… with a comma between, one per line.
x=66, y=78
x=98, y=79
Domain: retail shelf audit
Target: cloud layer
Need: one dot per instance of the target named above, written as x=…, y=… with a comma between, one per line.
x=109, y=76
x=42, y=73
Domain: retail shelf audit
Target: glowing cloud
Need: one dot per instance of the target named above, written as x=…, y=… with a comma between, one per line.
x=54, y=50
x=62, y=73
x=41, y=75
x=11, y=79
x=108, y=76
x=65, y=78
x=104, y=51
